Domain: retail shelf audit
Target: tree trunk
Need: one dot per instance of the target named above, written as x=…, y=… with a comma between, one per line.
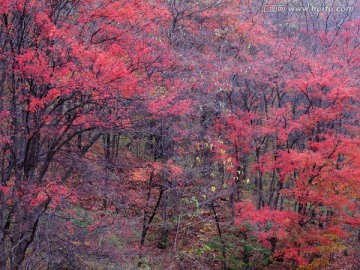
x=164, y=204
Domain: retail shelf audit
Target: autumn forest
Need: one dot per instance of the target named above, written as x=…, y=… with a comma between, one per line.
x=179, y=134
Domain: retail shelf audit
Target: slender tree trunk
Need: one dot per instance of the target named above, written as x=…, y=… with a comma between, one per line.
x=147, y=220
x=223, y=247
x=2, y=252
x=164, y=204
x=261, y=202
x=276, y=200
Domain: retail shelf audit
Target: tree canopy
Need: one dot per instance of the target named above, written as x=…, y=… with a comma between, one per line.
x=179, y=134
